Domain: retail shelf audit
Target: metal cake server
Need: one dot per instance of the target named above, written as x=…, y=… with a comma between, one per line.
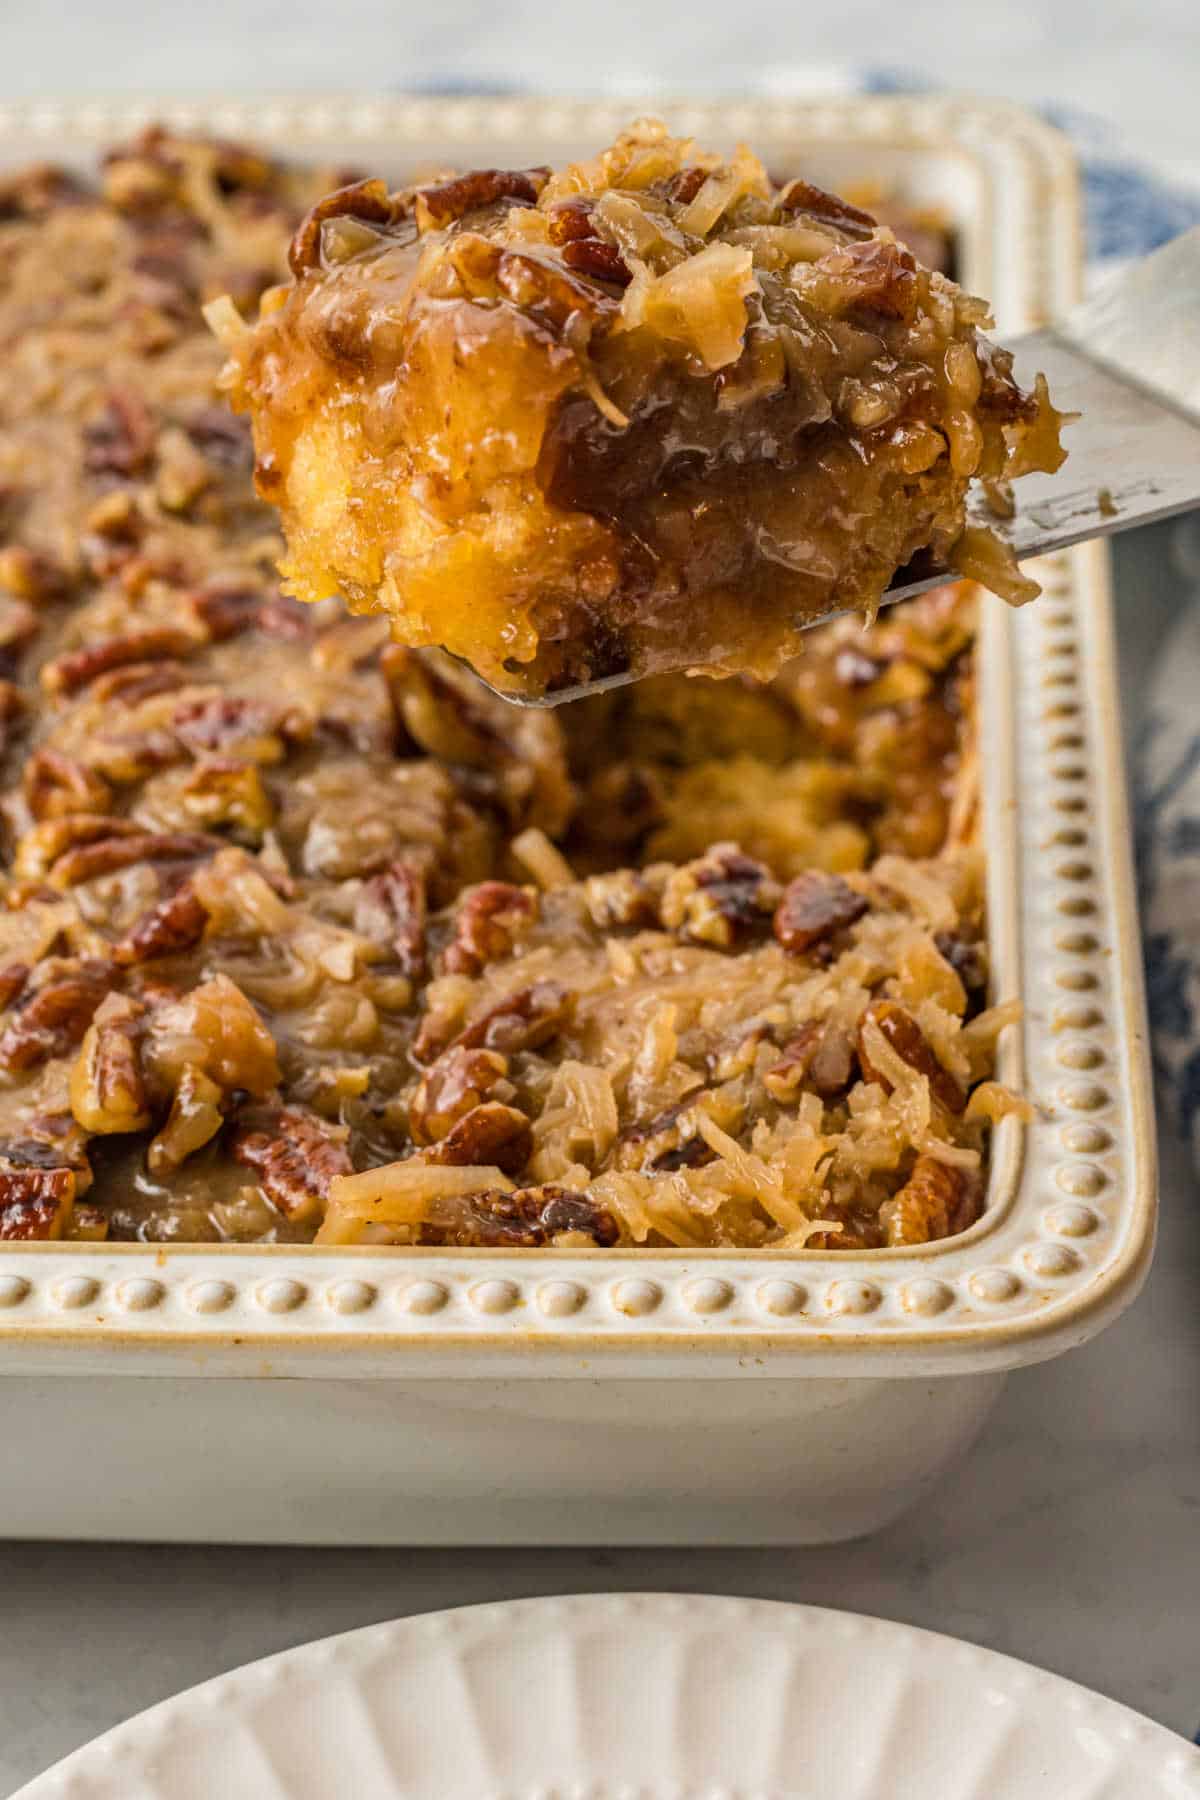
x=1128, y=362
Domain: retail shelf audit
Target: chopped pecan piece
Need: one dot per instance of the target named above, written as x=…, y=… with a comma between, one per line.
x=89, y=1224
x=452, y=1087
x=820, y=1058
x=78, y=668
x=222, y=791
x=524, y=1021
x=108, y=1087
x=523, y=1219
x=595, y=256
x=488, y=923
x=391, y=911
x=295, y=1156
x=450, y=200
x=913, y=1047
x=34, y=1203
x=684, y=187
x=365, y=200
x=567, y=221
x=718, y=898
x=802, y=197
x=56, y=784
x=489, y=1136
x=120, y=441
x=174, y=925
x=53, y=1011
x=815, y=906
x=876, y=276
x=621, y=898
x=936, y=1201
x=666, y=1142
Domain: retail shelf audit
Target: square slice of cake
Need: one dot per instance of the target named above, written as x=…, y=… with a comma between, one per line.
x=654, y=411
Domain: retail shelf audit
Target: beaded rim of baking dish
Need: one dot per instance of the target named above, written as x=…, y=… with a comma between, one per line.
x=1069, y=1225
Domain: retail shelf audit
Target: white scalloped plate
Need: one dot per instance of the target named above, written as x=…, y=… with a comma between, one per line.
x=633, y=1697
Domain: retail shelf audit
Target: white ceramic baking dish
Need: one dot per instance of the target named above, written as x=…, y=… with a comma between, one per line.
x=366, y=1396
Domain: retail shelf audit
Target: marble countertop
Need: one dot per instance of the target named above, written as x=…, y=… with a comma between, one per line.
x=1069, y=1536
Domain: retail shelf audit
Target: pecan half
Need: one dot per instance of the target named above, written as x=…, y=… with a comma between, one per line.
x=295, y=1157
x=489, y=1136
x=913, y=1047
x=391, y=911
x=815, y=906
x=936, y=1201
x=719, y=897
x=365, y=200
x=803, y=197
x=555, y=295
x=35, y=1203
x=40, y=847
x=108, y=1087
x=819, y=1059
x=524, y=1021
x=54, y=1011
x=452, y=1087
x=79, y=668
x=108, y=854
x=523, y=1219
x=488, y=922
x=450, y=200
x=174, y=925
